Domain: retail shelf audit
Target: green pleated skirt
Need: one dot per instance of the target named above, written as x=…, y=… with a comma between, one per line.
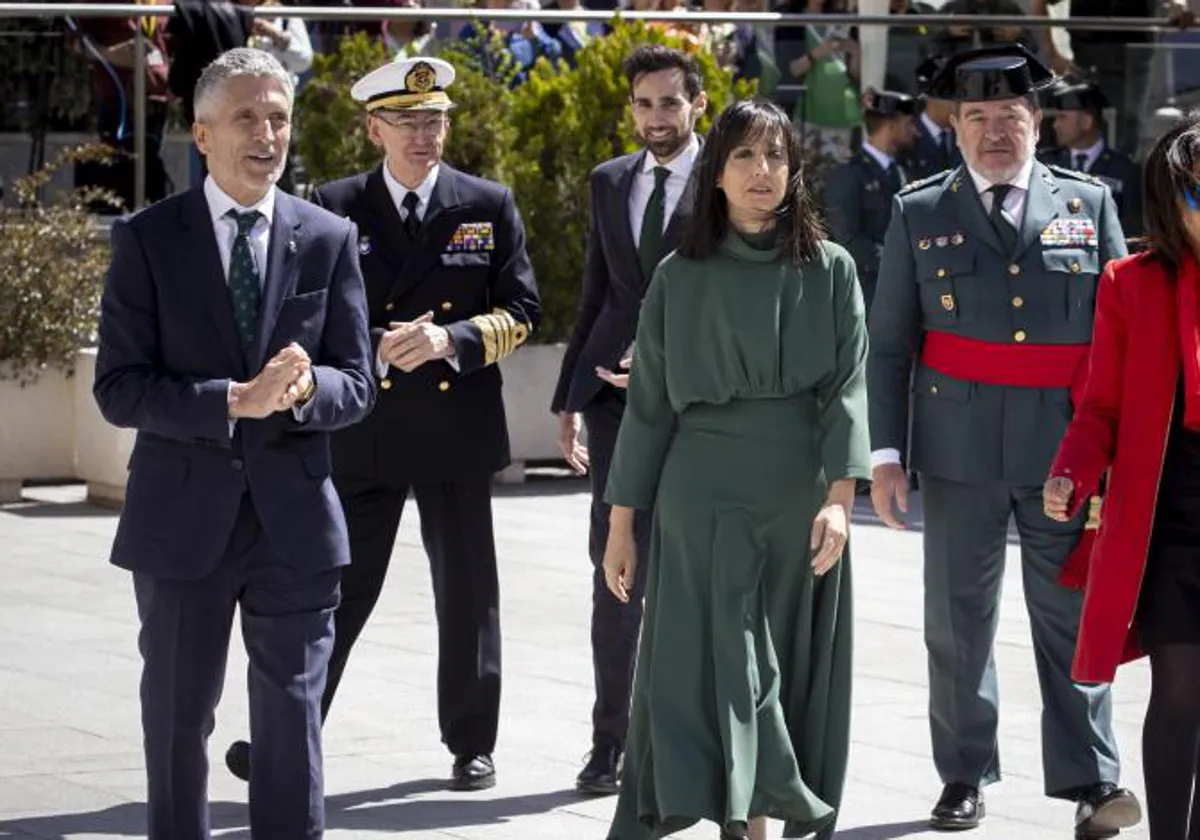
x=741, y=700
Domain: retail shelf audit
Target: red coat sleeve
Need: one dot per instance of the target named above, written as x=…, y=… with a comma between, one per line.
x=1087, y=448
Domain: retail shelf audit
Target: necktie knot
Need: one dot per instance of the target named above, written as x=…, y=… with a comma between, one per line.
x=245, y=221
x=1000, y=192
x=410, y=202
x=661, y=174
x=1081, y=162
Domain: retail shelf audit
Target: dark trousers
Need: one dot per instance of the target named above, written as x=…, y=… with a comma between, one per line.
x=966, y=534
x=456, y=528
x=615, y=625
x=287, y=626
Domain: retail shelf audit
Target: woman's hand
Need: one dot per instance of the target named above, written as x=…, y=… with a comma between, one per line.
x=1056, y=498
x=830, y=531
x=620, y=554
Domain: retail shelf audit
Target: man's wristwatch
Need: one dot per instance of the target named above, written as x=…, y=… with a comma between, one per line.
x=303, y=399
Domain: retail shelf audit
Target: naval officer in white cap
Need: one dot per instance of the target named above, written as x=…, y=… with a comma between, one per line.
x=451, y=292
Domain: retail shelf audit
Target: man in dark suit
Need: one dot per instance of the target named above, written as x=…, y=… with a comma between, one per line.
x=451, y=292
x=859, y=192
x=640, y=205
x=233, y=337
x=935, y=148
x=1079, y=132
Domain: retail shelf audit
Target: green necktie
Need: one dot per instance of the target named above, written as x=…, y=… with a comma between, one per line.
x=1005, y=230
x=650, y=241
x=245, y=287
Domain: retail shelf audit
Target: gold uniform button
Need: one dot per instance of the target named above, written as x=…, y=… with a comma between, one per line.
x=941, y=272
x=1018, y=301
x=1074, y=268
x=447, y=306
x=389, y=307
x=1019, y=335
x=1014, y=269
x=385, y=384
x=443, y=385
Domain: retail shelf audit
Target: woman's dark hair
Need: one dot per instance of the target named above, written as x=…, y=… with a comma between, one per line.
x=1169, y=171
x=798, y=228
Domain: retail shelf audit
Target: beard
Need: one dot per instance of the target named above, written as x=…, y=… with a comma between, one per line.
x=664, y=147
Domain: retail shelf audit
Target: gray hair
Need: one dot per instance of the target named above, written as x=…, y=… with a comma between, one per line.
x=238, y=62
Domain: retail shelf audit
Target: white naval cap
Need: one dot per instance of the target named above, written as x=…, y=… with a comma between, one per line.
x=407, y=84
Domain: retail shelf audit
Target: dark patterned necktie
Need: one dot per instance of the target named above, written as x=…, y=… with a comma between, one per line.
x=245, y=283
x=1005, y=230
x=411, y=223
x=650, y=240
x=895, y=178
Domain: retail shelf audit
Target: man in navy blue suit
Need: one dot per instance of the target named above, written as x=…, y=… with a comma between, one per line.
x=233, y=337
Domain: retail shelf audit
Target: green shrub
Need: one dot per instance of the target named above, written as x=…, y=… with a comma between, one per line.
x=53, y=258
x=542, y=138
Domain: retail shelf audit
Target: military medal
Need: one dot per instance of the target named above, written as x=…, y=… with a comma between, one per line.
x=957, y=239
x=942, y=241
x=924, y=244
x=948, y=303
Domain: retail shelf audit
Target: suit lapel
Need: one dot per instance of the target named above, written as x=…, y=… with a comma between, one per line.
x=282, y=269
x=385, y=228
x=963, y=202
x=682, y=215
x=626, y=243
x=1041, y=207
x=203, y=275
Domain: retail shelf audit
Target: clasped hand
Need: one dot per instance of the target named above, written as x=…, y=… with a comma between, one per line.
x=409, y=344
x=278, y=386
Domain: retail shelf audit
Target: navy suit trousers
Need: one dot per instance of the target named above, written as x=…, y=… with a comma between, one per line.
x=287, y=626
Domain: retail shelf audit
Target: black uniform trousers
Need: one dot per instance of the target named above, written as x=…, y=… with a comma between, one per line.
x=456, y=528
x=287, y=627
x=615, y=626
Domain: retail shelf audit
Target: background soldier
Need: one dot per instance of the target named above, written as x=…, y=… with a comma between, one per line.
x=640, y=205
x=859, y=192
x=991, y=269
x=1079, y=130
x=935, y=148
x=451, y=293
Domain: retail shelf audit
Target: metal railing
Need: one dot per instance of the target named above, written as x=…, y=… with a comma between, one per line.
x=377, y=13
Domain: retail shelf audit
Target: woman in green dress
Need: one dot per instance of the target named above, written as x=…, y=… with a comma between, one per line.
x=745, y=430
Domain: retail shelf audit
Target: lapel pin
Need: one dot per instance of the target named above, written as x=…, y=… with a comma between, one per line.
x=292, y=245
x=1074, y=205
x=364, y=246
x=957, y=183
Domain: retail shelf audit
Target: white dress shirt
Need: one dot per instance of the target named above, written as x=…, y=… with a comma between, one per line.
x=424, y=193
x=643, y=185
x=1092, y=154
x=885, y=161
x=225, y=231
x=1014, y=211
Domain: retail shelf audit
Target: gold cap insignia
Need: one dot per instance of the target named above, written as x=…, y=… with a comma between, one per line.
x=422, y=78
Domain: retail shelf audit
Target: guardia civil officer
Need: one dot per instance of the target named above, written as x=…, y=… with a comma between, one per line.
x=451, y=292
x=989, y=272
x=1079, y=130
x=859, y=192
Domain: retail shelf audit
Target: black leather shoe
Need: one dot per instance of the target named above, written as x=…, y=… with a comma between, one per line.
x=602, y=773
x=1103, y=810
x=961, y=807
x=237, y=759
x=473, y=772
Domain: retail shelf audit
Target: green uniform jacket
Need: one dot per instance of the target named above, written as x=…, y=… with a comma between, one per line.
x=944, y=269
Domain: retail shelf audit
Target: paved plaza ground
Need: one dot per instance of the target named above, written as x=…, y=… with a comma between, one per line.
x=70, y=743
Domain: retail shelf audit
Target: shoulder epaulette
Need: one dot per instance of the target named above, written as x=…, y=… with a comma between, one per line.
x=924, y=182
x=1075, y=174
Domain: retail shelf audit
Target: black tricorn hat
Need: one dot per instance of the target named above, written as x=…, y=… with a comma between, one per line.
x=927, y=70
x=1007, y=71
x=1079, y=96
x=888, y=103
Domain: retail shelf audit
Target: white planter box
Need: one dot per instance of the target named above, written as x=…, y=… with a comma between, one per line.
x=530, y=375
x=36, y=432
x=101, y=450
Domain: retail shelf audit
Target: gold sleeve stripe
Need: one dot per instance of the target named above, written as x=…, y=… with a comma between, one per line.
x=501, y=334
x=487, y=333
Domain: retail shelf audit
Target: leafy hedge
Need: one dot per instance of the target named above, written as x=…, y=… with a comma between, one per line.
x=542, y=139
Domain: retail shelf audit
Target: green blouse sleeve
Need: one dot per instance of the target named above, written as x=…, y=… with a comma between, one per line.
x=649, y=419
x=842, y=396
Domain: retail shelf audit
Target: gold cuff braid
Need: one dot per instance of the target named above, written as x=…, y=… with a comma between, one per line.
x=501, y=334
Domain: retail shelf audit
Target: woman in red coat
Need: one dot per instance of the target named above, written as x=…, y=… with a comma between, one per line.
x=1140, y=416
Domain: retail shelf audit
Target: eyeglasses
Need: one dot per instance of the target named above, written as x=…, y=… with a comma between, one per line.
x=411, y=125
